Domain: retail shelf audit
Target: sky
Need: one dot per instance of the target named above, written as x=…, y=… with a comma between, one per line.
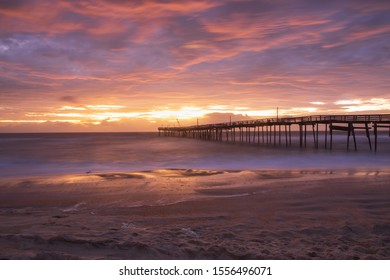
x=115, y=65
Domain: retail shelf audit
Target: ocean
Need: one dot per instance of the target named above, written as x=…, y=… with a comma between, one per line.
x=286, y=203
x=30, y=154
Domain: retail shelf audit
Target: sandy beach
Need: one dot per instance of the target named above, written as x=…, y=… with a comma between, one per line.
x=198, y=214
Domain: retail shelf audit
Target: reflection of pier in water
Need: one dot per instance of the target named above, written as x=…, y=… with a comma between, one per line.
x=277, y=131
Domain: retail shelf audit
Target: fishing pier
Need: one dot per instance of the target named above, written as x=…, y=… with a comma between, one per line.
x=278, y=131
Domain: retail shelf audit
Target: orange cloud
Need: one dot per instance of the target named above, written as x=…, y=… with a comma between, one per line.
x=358, y=105
x=100, y=63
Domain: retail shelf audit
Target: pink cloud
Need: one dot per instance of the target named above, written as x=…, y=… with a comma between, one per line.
x=166, y=55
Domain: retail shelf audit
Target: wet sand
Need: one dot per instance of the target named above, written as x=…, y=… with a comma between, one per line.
x=198, y=214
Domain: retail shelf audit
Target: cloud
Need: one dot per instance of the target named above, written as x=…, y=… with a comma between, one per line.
x=317, y=103
x=223, y=118
x=370, y=105
x=162, y=56
x=69, y=99
x=135, y=125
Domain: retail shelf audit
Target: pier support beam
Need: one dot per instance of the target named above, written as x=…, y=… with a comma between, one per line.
x=300, y=135
x=351, y=130
x=376, y=135
x=368, y=135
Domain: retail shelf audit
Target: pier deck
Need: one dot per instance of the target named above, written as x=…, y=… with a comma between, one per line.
x=273, y=130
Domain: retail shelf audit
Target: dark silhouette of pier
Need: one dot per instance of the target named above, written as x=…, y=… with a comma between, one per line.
x=277, y=131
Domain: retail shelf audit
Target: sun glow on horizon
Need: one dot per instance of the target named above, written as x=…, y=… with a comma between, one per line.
x=106, y=116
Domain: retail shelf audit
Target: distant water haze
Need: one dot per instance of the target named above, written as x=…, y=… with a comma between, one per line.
x=64, y=153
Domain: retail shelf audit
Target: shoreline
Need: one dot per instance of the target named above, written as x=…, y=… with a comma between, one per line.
x=196, y=172
x=198, y=214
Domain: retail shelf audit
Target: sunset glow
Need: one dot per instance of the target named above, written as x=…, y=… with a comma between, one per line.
x=135, y=65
